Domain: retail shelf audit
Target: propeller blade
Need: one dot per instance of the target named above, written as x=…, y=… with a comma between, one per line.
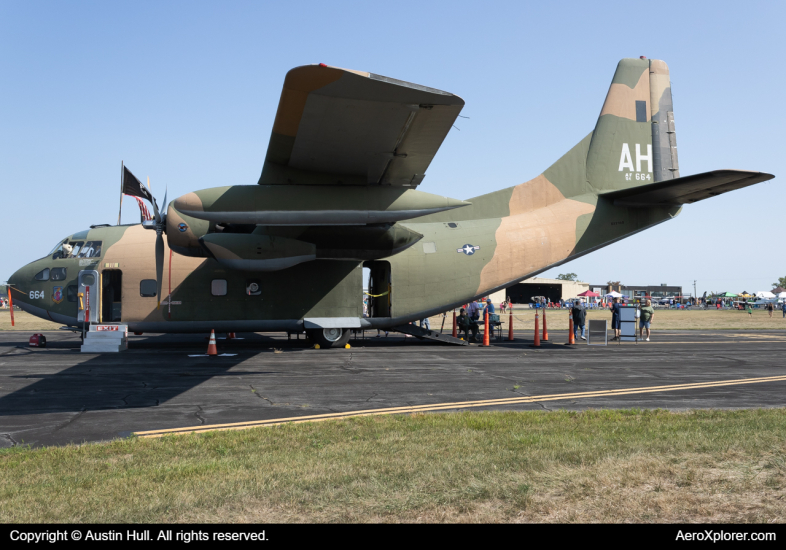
x=159, y=263
x=155, y=211
x=164, y=208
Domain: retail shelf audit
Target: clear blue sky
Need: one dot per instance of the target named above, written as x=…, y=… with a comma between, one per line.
x=186, y=92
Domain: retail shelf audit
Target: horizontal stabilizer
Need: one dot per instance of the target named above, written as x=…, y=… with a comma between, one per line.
x=686, y=190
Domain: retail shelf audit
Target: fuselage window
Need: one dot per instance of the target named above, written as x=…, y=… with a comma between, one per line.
x=219, y=287
x=59, y=274
x=91, y=249
x=71, y=293
x=42, y=275
x=148, y=288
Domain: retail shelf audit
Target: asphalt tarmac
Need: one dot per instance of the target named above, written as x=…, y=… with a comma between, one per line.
x=57, y=395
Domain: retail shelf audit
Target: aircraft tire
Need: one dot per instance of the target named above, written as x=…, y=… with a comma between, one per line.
x=330, y=337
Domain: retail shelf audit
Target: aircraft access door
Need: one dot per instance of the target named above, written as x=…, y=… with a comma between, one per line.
x=111, y=296
x=88, y=296
x=380, y=288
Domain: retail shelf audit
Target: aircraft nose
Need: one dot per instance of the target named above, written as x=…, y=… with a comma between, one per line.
x=13, y=281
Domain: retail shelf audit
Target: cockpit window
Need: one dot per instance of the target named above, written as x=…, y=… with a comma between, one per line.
x=42, y=275
x=75, y=248
x=91, y=249
x=58, y=246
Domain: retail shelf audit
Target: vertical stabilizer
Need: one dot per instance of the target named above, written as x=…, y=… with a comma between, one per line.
x=634, y=141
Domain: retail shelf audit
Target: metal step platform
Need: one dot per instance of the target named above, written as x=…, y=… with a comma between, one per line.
x=425, y=334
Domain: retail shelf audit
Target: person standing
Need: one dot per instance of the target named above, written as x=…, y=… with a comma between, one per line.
x=473, y=310
x=489, y=310
x=615, y=318
x=784, y=308
x=647, y=314
x=749, y=309
x=502, y=306
x=579, y=314
x=770, y=309
x=425, y=323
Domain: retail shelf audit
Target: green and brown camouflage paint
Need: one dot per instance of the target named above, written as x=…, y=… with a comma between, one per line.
x=519, y=231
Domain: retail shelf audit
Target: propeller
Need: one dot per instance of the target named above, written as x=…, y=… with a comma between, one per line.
x=160, y=230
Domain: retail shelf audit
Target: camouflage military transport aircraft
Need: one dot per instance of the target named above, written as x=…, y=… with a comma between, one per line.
x=337, y=193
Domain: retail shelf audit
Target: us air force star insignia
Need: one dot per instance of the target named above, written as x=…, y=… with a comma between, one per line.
x=468, y=249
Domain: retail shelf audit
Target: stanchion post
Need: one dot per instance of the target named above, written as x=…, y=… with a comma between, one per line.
x=11, y=304
x=571, y=334
x=510, y=326
x=537, y=331
x=486, y=329
x=455, y=327
x=545, y=330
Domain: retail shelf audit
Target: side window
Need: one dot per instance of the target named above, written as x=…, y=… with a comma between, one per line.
x=147, y=288
x=59, y=273
x=42, y=275
x=71, y=293
x=219, y=287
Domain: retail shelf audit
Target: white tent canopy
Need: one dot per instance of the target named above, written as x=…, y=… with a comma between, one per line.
x=613, y=294
x=782, y=295
x=764, y=294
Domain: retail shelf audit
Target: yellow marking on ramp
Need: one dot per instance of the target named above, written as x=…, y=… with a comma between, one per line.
x=456, y=405
x=775, y=337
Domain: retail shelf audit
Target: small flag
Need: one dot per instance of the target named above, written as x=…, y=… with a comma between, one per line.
x=132, y=186
x=146, y=215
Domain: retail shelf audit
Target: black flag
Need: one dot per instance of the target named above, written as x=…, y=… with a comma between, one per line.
x=134, y=187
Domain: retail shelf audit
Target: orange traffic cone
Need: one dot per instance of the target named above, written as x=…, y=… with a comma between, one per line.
x=537, y=332
x=545, y=330
x=455, y=327
x=510, y=326
x=571, y=334
x=486, y=330
x=211, y=346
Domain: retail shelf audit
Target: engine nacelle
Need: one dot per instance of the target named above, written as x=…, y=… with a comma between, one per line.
x=183, y=233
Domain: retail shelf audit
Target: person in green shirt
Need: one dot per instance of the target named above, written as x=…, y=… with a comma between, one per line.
x=647, y=314
x=467, y=325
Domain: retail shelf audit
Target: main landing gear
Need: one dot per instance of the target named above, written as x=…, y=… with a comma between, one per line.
x=330, y=337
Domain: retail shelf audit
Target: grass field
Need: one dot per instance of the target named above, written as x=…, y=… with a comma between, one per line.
x=524, y=319
x=597, y=466
x=665, y=319
x=24, y=321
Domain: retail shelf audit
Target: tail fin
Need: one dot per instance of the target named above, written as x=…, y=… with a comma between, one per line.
x=633, y=144
x=634, y=141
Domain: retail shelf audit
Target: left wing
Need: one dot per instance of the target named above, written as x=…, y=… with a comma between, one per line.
x=337, y=126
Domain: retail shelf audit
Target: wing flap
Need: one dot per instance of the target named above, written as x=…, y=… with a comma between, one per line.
x=686, y=190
